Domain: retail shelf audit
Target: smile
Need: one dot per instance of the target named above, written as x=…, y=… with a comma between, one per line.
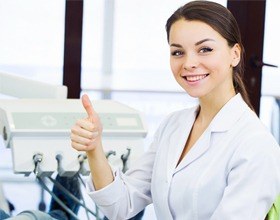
x=195, y=78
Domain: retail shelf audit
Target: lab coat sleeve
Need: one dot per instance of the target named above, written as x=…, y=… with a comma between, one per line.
x=129, y=193
x=253, y=180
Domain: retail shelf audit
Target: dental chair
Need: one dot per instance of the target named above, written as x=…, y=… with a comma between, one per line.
x=274, y=212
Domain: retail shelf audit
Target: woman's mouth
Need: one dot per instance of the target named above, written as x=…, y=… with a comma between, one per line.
x=195, y=78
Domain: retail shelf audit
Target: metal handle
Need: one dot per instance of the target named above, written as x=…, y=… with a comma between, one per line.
x=256, y=62
x=124, y=158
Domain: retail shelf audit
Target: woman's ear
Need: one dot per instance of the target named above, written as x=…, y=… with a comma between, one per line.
x=236, y=53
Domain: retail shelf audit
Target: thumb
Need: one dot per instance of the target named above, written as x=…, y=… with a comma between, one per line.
x=88, y=106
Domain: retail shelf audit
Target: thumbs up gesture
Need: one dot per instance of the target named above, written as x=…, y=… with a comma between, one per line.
x=86, y=133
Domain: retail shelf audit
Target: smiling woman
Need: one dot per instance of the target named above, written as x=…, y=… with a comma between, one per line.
x=220, y=144
x=214, y=45
x=203, y=61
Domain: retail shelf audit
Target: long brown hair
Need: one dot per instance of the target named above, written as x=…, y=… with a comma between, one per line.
x=221, y=20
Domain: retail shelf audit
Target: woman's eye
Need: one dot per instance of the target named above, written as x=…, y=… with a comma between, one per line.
x=205, y=50
x=176, y=53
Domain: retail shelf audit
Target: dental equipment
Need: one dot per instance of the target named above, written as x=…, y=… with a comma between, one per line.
x=41, y=127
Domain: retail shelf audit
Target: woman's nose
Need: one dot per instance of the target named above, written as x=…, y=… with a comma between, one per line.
x=190, y=62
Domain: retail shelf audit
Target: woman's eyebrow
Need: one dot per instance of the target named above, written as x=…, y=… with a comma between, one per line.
x=202, y=41
x=176, y=45
x=196, y=44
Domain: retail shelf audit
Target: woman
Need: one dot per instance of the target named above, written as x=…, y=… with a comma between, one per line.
x=213, y=161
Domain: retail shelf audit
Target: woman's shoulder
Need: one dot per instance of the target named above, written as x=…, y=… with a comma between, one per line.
x=255, y=137
x=253, y=126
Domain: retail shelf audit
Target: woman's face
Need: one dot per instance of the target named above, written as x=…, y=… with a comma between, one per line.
x=201, y=59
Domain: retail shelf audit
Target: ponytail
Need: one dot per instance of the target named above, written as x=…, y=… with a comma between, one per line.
x=239, y=87
x=238, y=82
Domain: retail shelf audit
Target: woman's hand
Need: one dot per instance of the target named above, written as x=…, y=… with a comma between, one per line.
x=86, y=133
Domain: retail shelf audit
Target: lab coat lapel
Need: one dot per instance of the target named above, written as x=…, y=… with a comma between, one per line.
x=177, y=140
x=200, y=147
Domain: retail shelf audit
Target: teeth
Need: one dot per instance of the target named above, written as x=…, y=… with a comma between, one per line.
x=195, y=78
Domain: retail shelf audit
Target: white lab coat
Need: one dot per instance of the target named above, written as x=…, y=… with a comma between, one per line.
x=232, y=171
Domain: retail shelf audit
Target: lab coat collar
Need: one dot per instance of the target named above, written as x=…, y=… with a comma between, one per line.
x=223, y=121
x=229, y=114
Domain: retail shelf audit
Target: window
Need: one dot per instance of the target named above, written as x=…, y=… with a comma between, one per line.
x=32, y=38
x=270, y=101
x=271, y=76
